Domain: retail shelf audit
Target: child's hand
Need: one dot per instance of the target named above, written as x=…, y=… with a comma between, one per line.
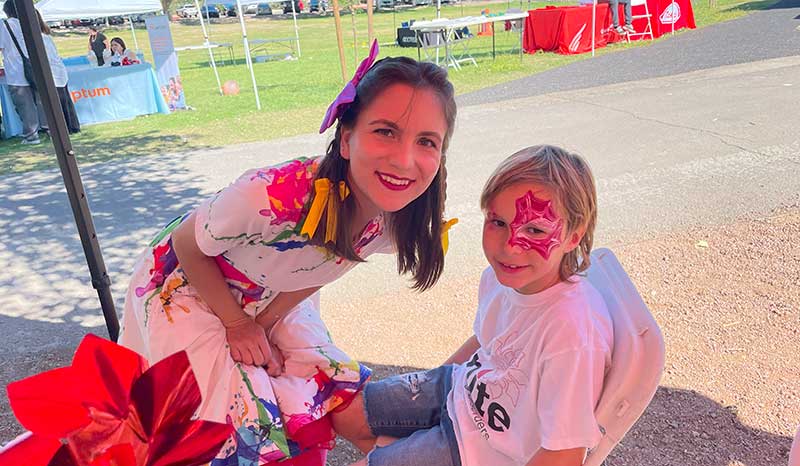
x=248, y=343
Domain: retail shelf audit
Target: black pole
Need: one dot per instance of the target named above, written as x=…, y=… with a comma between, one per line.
x=66, y=161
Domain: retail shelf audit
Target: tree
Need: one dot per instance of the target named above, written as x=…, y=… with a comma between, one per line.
x=165, y=4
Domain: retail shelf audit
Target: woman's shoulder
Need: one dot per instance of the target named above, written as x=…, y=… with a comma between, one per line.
x=288, y=185
x=296, y=173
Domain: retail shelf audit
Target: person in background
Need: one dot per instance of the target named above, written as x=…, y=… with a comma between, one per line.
x=25, y=98
x=60, y=78
x=121, y=54
x=98, y=43
x=628, y=28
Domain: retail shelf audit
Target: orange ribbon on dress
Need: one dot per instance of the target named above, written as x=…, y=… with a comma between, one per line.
x=321, y=203
x=445, y=235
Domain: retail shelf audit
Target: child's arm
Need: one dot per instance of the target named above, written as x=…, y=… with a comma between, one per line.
x=247, y=340
x=462, y=354
x=571, y=457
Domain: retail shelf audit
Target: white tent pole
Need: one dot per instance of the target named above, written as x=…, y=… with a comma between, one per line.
x=337, y=21
x=438, y=9
x=247, y=52
x=210, y=53
x=370, y=29
x=296, y=34
x=208, y=17
x=355, y=36
x=594, y=14
x=133, y=31
x=673, y=19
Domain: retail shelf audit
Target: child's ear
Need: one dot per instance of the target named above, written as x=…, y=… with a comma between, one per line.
x=574, y=238
x=344, y=143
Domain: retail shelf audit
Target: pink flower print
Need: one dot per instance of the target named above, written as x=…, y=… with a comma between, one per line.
x=506, y=378
x=373, y=229
x=288, y=187
x=164, y=262
x=251, y=292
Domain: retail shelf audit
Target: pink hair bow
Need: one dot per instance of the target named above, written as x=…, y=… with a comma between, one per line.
x=348, y=94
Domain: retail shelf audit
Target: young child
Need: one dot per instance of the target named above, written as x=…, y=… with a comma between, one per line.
x=523, y=389
x=237, y=277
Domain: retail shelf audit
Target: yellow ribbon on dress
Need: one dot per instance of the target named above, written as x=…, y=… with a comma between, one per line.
x=321, y=202
x=445, y=236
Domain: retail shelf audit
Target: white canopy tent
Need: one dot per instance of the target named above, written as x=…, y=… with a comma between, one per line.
x=57, y=10
x=54, y=10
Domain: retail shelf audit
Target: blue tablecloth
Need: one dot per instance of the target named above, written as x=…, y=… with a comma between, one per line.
x=100, y=95
x=79, y=60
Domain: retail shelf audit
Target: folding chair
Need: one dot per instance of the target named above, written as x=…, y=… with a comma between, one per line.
x=637, y=359
x=432, y=41
x=794, y=454
x=516, y=24
x=648, y=31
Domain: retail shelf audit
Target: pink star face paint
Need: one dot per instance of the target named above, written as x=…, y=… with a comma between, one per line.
x=536, y=225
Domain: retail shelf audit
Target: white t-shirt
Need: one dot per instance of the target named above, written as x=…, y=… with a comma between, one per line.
x=15, y=76
x=537, y=377
x=56, y=63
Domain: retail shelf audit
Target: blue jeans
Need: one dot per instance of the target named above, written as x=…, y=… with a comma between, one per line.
x=413, y=407
x=615, y=11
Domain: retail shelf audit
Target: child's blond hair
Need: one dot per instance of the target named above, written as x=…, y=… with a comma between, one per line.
x=568, y=177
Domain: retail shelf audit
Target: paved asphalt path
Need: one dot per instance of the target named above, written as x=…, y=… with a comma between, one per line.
x=761, y=35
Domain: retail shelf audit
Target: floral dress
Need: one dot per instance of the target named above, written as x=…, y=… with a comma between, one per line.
x=252, y=229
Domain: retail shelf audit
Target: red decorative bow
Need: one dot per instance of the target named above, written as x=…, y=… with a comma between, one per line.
x=109, y=409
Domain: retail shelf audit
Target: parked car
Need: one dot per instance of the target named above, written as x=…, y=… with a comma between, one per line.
x=263, y=9
x=387, y=4
x=141, y=18
x=422, y=2
x=187, y=11
x=287, y=6
x=55, y=24
x=227, y=10
x=318, y=5
x=209, y=11
x=251, y=9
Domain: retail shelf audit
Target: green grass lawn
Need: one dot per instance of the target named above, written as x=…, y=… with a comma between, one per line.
x=294, y=94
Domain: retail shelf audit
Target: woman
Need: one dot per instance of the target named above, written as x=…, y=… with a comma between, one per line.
x=59, y=72
x=24, y=96
x=98, y=44
x=121, y=54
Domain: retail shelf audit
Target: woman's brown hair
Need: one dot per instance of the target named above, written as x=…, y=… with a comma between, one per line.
x=416, y=228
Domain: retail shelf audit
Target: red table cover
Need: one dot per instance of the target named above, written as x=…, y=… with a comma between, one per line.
x=564, y=29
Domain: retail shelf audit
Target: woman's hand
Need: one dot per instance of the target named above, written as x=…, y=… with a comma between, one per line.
x=275, y=361
x=246, y=338
x=248, y=343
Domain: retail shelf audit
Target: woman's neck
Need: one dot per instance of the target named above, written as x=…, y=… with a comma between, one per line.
x=364, y=211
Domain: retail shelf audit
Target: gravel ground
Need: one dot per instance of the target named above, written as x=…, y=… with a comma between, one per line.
x=727, y=302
